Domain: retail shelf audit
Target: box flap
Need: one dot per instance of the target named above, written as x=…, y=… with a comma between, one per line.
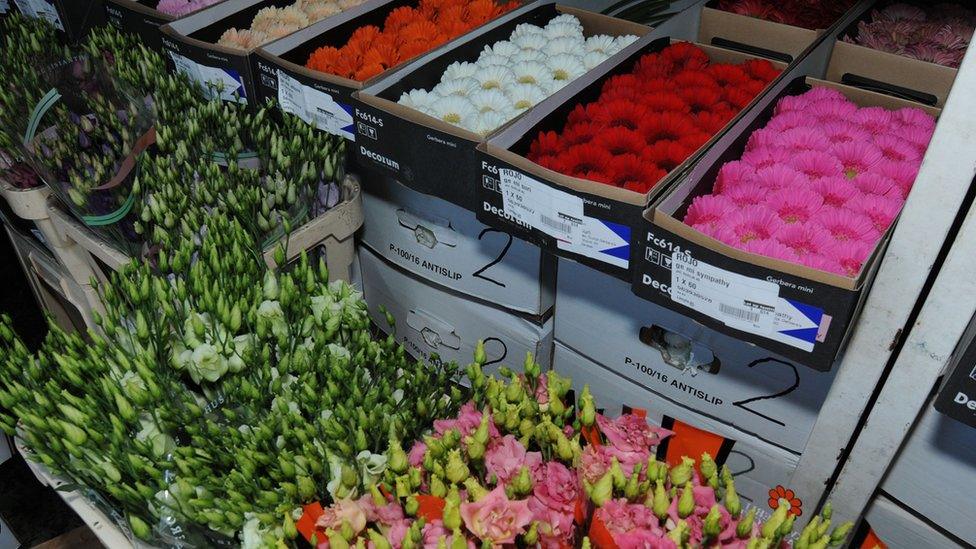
x=921, y=77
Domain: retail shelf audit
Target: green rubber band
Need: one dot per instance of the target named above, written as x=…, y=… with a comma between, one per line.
x=44, y=105
x=112, y=217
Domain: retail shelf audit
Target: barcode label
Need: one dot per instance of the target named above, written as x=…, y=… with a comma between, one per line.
x=738, y=313
x=556, y=224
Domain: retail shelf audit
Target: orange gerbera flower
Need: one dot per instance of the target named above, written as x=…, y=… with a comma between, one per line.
x=368, y=71
x=324, y=59
x=781, y=495
x=399, y=18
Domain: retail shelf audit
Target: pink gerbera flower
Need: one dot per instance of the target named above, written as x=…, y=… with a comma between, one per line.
x=824, y=94
x=803, y=139
x=791, y=103
x=915, y=117
x=805, y=238
x=754, y=222
x=770, y=248
x=822, y=263
x=719, y=232
x=895, y=148
x=881, y=209
x=747, y=194
x=835, y=191
x=779, y=176
x=762, y=138
x=767, y=156
x=850, y=256
x=919, y=137
x=789, y=120
x=708, y=209
x=903, y=174
x=816, y=165
x=794, y=204
x=857, y=157
x=875, y=120
x=844, y=225
x=876, y=184
x=833, y=110
x=733, y=174
x=843, y=132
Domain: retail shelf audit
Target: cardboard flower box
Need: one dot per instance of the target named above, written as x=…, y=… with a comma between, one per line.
x=139, y=17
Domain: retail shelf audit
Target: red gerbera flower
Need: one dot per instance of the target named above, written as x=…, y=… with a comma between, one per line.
x=653, y=65
x=578, y=115
x=727, y=74
x=664, y=102
x=579, y=133
x=620, y=141
x=668, y=155
x=585, y=160
x=760, y=69
x=712, y=121
x=685, y=56
x=620, y=114
x=700, y=99
x=738, y=97
x=666, y=127
x=546, y=144
x=695, y=140
x=694, y=79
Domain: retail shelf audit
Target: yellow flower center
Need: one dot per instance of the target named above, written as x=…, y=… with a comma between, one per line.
x=526, y=79
x=560, y=74
x=452, y=118
x=523, y=104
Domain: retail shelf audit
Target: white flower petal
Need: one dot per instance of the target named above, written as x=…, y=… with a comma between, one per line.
x=566, y=67
x=460, y=86
x=600, y=43
x=560, y=29
x=532, y=72
x=487, y=59
x=531, y=41
x=529, y=55
x=504, y=48
x=459, y=70
x=525, y=29
x=593, y=59
x=525, y=96
x=490, y=100
x=417, y=99
x=622, y=42
x=566, y=19
x=494, y=76
x=489, y=121
x=455, y=110
x=572, y=46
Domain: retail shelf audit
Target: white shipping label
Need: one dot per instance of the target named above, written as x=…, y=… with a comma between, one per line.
x=314, y=107
x=602, y=240
x=741, y=302
x=42, y=9
x=554, y=212
x=215, y=81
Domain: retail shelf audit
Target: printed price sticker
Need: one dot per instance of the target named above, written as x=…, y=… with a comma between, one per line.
x=554, y=212
x=314, y=107
x=744, y=303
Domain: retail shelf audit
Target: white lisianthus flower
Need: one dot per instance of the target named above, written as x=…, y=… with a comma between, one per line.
x=525, y=96
x=494, y=77
x=252, y=535
x=487, y=59
x=532, y=72
x=338, y=351
x=242, y=346
x=600, y=43
x=454, y=110
x=490, y=121
x=572, y=46
x=270, y=312
x=525, y=29
x=461, y=87
x=593, y=59
x=566, y=67
x=559, y=29
x=207, y=363
x=371, y=466
x=503, y=48
x=535, y=41
x=459, y=69
x=415, y=99
x=490, y=100
x=131, y=382
x=162, y=444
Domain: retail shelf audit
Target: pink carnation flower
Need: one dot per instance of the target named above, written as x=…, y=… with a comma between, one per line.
x=344, y=510
x=630, y=437
x=506, y=456
x=416, y=454
x=794, y=204
x=708, y=209
x=594, y=463
x=386, y=515
x=495, y=518
x=555, y=487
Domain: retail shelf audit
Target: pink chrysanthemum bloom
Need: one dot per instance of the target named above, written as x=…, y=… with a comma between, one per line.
x=843, y=132
x=794, y=204
x=765, y=157
x=803, y=139
x=752, y=223
x=747, y=194
x=875, y=120
x=850, y=256
x=779, y=176
x=822, y=263
x=876, y=184
x=857, y=158
x=844, y=225
x=789, y=120
x=791, y=103
x=805, y=238
x=881, y=209
x=896, y=148
x=733, y=174
x=770, y=248
x=708, y=209
x=833, y=110
x=762, y=138
x=816, y=165
x=915, y=117
x=902, y=173
x=835, y=191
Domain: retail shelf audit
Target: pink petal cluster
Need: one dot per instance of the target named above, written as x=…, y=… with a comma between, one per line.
x=179, y=8
x=467, y=421
x=506, y=456
x=819, y=184
x=937, y=34
x=633, y=525
x=630, y=438
x=495, y=518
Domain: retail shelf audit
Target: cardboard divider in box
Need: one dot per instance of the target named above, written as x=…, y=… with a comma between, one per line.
x=690, y=365
x=752, y=35
x=892, y=74
x=888, y=524
x=72, y=17
x=191, y=43
x=445, y=244
x=935, y=476
x=795, y=311
x=431, y=321
x=433, y=156
x=594, y=223
x=757, y=467
x=139, y=17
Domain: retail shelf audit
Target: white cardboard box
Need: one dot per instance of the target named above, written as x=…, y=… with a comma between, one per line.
x=898, y=529
x=719, y=376
x=758, y=467
x=430, y=320
x=445, y=244
x=935, y=474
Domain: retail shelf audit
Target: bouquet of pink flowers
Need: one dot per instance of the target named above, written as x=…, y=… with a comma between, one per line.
x=524, y=465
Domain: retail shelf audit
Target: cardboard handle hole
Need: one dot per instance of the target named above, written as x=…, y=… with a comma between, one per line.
x=679, y=351
x=751, y=50
x=893, y=90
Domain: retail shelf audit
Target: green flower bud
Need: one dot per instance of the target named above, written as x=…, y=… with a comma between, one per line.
x=617, y=474
x=602, y=490
x=712, y=526
x=662, y=503
x=587, y=407
x=531, y=537
x=452, y=510
x=475, y=490
x=522, y=483
x=437, y=487
x=139, y=528
x=398, y=458
x=411, y=506
x=680, y=534
x=779, y=516
x=586, y=543
x=686, y=503
x=336, y=540
x=732, y=502
x=474, y=448
x=379, y=540
x=839, y=535
x=480, y=357
x=682, y=473
x=288, y=527
x=633, y=483
x=744, y=528
x=456, y=469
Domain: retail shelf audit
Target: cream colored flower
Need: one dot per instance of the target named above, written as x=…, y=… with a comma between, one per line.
x=455, y=110
x=572, y=46
x=566, y=19
x=524, y=96
x=566, y=67
x=529, y=55
x=593, y=59
x=460, y=86
x=488, y=122
x=622, y=42
x=494, y=76
x=532, y=72
x=417, y=99
x=490, y=100
x=459, y=69
x=525, y=29
x=561, y=29
x=535, y=41
x=503, y=48
x=487, y=59
x=600, y=43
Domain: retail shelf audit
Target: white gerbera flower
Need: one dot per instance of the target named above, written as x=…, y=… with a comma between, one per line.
x=571, y=46
x=566, y=67
x=490, y=100
x=593, y=59
x=488, y=122
x=525, y=29
x=459, y=69
x=622, y=42
x=531, y=41
x=461, y=86
x=524, y=96
x=529, y=55
x=563, y=30
x=532, y=72
x=455, y=110
x=504, y=48
x=494, y=76
x=487, y=58
x=555, y=85
x=566, y=19
x=600, y=43
x=417, y=99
